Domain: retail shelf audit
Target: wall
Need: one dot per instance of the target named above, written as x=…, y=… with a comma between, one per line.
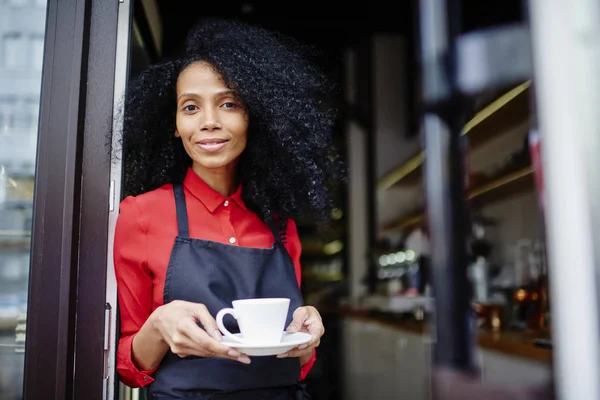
x=357, y=206
x=357, y=187
x=390, y=120
x=391, y=124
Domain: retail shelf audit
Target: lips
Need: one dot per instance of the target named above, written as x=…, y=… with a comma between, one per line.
x=211, y=144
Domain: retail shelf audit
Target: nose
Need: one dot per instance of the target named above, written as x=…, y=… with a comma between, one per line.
x=210, y=120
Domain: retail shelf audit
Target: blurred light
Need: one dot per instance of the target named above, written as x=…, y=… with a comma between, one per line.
x=337, y=214
x=400, y=257
x=333, y=247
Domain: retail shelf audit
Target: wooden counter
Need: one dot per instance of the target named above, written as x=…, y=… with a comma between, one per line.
x=518, y=344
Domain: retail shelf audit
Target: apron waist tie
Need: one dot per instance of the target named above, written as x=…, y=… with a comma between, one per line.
x=299, y=392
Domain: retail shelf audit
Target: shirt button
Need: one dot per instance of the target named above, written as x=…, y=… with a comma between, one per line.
x=232, y=240
x=145, y=378
x=226, y=203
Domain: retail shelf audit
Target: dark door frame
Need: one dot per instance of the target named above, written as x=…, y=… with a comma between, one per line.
x=69, y=236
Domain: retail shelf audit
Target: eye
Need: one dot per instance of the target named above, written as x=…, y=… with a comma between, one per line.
x=229, y=104
x=190, y=108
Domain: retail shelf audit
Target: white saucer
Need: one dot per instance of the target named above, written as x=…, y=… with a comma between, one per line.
x=288, y=342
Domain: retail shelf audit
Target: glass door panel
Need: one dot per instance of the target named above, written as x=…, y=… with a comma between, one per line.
x=22, y=29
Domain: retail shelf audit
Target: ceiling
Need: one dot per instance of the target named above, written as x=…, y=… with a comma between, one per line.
x=309, y=21
x=326, y=25
x=329, y=28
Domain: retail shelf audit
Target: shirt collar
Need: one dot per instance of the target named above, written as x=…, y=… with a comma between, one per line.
x=207, y=195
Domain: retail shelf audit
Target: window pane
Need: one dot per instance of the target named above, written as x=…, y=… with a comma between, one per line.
x=37, y=51
x=22, y=43
x=7, y=111
x=17, y=3
x=15, y=54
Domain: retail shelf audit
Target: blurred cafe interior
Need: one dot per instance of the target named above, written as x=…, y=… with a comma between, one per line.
x=367, y=272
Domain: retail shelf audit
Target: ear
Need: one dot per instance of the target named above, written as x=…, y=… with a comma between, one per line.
x=177, y=133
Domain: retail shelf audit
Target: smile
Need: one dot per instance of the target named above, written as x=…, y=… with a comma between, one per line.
x=211, y=145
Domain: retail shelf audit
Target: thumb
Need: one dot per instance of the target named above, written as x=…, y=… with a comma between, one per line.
x=300, y=316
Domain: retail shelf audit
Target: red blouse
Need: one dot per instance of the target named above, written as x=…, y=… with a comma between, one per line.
x=145, y=230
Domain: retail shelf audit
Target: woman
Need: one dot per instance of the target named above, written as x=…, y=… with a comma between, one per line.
x=224, y=149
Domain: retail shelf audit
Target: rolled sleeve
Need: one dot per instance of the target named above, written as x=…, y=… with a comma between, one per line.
x=134, y=288
x=128, y=371
x=305, y=369
x=294, y=248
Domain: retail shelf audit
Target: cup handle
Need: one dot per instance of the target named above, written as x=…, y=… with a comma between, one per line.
x=221, y=326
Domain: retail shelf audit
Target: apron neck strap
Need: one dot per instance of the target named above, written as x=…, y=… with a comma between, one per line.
x=275, y=230
x=182, y=218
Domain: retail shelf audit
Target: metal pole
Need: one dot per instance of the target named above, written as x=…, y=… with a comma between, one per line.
x=566, y=49
x=444, y=184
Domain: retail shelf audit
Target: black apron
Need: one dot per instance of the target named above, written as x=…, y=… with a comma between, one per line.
x=215, y=274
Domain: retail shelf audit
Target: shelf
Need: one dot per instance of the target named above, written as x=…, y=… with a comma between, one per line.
x=502, y=187
x=487, y=193
x=409, y=221
x=409, y=172
x=507, y=111
x=322, y=277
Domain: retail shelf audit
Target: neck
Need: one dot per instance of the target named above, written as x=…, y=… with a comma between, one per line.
x=224, y=181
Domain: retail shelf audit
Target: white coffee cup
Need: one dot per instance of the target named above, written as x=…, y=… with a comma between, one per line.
x=261, y=321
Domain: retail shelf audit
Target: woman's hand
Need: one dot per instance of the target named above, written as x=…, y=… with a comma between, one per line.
x=177, y=323
x=306, y=319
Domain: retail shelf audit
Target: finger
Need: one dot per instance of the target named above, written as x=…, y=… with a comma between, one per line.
x=208, y=322
x=182, y=345
x=187, y=334
x=204, y=345
x=297, y=352
x=313, y=325
x=193, y=350
x=316, y=330
x=217, y=349
x=300, y=316
x=231, y=354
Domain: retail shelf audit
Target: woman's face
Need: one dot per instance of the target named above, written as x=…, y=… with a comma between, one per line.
x=211, y=121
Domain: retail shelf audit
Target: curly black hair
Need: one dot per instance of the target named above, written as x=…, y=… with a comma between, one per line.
x=289, y=164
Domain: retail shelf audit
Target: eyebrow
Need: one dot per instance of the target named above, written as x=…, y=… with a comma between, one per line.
x=221, y=93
